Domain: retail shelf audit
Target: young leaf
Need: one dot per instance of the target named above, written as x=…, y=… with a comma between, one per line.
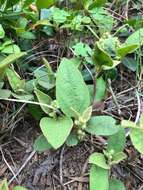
x=117, y=141
x=44, y=4
x=41, y=144
x=98, y=178
x=115, y=184
x=99, y=160
x=102, y=125
x=71, y=91
x=118, y=157
x=44, y=99
x=57, y=130
x=87, y=113
x=136, y=136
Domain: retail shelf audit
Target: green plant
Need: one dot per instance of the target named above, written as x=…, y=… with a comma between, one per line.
x=62, y=99
x=4, y=186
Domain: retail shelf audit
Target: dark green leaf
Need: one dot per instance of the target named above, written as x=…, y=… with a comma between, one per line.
x=115, y=184
x=117, y=141
x=41, y=144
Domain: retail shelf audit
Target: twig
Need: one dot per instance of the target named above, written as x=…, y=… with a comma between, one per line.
x=9, y=167
x=114, y=97
x=61, y=165
x=27, y=102
x=23, y=166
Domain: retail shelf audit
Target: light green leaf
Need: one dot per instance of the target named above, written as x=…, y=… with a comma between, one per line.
x=136, y=38
x=57, y=130
x=23, y=96
x=41, y=144
x=11, y=49
x=117, y=141
x=27, y=35
x=44, y=3
x=44, y=99
x=71, y=91
x=43, y=79
x=98, y=3
x=4, y=185
x=4, y=93
x=87, y=114
x=118, y=157
x=10, y=59
x=59, y=15
x=98, y=178
x=115, y=184
x=99, y=160
x=2, y=32
x=14, y=80
x=18, y=187
x=81, y=49
x=128, y=124
x=100, y=89
x=136, y=136
x=141, y=121
x=126, y=49
x=102, y=125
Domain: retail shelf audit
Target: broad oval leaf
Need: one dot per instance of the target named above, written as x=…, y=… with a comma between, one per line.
x=115, y=184
x=57, y=130
x=117, y=141
x=136, y=136
x=99, y=160
x=102, y=125
x=41, y=144
x=98, y=178
x=71, y=91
